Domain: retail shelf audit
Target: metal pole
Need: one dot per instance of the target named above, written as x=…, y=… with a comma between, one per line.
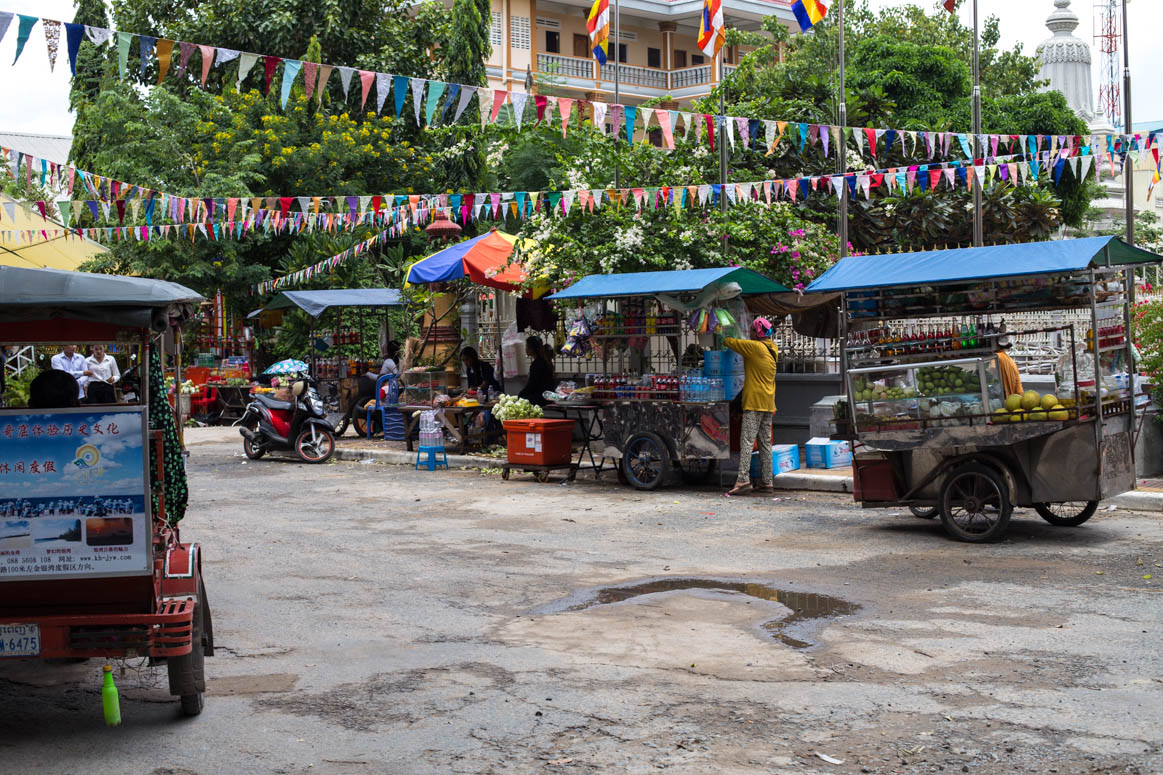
x=842, y=148
x=1128, y=165
x=723, y=130
x=978, y=225
x=618, y=90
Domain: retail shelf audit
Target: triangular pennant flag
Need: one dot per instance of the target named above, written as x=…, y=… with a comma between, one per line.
x=269, y=65
x=73, y=35
x=466, y=94
x=208, y=59
x=518, y=100
x=5, y=20
x=123, y=41
x=366, y=79
x=310, y=73
x=98, y=36
x=667, y=129
x=145, y=46
x=165, y=49
x=321, y=84
x=291, y=68
x=185, y=51
x=417, y=97
x=870, y=135
x=345, y=74
x=25, y=29
x=52, y=39
x=599, y=120
x=631, y=114
x=245, y=62
x=499, y=96
x=484, y=106
x=383, y=86
x=564, y=108
x=435, y=91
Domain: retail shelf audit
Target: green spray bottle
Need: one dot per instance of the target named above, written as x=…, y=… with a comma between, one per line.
x=109, y=700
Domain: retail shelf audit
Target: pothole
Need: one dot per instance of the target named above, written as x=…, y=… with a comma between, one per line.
x=808, y=609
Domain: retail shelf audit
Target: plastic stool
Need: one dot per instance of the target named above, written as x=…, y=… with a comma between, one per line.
x=436, y=457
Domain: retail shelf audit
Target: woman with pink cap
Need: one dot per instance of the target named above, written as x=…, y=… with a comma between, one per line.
x=759, y=356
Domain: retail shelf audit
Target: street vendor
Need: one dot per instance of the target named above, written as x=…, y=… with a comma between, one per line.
x=1011, y=379
x=479, y=376
x=540, y=371
x=759, y=359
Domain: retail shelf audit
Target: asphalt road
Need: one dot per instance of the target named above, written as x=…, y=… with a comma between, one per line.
x=375, y=619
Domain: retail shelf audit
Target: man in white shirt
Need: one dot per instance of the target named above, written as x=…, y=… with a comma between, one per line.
x=71, y=361
x=103, y=367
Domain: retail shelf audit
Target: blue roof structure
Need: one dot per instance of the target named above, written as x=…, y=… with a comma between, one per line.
x=315, y=303
x=606, y=286
x=944, y=266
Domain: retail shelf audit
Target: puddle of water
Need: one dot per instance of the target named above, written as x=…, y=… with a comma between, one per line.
x=808, y=609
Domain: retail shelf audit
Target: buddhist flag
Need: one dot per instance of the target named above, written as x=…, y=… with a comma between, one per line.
x=808, y=13
x=598, y=24
x=711, y=29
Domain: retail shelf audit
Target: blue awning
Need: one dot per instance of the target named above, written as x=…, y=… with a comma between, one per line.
x=315, y=303
x=606, y=286
x=943, y=266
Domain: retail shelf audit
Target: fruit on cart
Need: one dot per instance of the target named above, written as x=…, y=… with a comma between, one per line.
x=514, y=408
x=1014, y=401
x=1031, y=400
x=1048, y=401
x=945, y=380
x=1001, y=415
x=1059, y=412
x=1037, y=416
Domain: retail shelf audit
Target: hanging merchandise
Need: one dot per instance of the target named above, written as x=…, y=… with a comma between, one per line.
x=577, y=342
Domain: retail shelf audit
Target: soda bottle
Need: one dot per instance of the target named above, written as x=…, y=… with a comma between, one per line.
x=110, y=703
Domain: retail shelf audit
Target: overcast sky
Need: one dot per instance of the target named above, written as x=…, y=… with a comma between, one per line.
x=36, y=100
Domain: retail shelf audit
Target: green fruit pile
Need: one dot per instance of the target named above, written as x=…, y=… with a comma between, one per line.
x=863, y=390
x=514, y=408
x=1029, y=406
x=946, y=380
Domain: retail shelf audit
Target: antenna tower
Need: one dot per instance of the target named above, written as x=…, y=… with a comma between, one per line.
x=1108, y=39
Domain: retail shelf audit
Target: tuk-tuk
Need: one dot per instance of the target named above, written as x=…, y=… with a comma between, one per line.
x=92, y=492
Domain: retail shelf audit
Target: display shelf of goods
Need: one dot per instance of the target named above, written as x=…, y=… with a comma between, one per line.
x=947, y=380
x=1031, y=406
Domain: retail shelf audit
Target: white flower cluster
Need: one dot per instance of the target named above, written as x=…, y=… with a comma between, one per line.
x=496, y=154
x=629, y=239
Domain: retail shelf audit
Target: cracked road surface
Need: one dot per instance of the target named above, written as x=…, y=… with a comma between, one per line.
x=376, y=619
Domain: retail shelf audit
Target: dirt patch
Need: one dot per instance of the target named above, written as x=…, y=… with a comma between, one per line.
x=244, y=685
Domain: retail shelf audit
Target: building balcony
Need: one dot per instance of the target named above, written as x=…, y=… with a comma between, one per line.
x=636, y=83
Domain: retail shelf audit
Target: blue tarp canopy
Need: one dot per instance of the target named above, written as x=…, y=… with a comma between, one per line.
x=315, y=303
x=607, y=286
x=945, y=266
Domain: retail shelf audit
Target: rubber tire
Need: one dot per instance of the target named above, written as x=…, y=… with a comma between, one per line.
x=505, y=473
x=250, y=451
x=188, y=671
x=543, y=476
x=341, y=428
x=359, y=423
x=1045, y=513
x=1006, y=507
x=665, y=465
x=330, y=450
x=925, y=512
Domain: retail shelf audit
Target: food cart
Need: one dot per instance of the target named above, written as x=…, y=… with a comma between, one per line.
x=337, y=375
x=659, y=405
x=91, y=560
x=925, y=405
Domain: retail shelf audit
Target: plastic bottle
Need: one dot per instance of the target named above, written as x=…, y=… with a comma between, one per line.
x=109, y=700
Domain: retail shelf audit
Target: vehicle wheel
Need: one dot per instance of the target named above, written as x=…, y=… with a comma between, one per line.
x=646, y=461
x=975, y=504
x=252, y=450
x=341, y=425
x=924, y=512
x=543, y=476
x=698, y=472
x=314, y=444
x=505, y=473
x=359, y=423
x=1068, y=514
x=188, y=672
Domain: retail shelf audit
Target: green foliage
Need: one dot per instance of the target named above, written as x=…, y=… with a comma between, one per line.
x=17, y=392
x=1147, y=325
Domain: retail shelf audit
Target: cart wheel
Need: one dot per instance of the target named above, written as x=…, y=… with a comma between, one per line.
x=1068, y=514
x=341, y=426
x=924, y=512
x=359, y=423
x=975, y=504
x=314, y=444
x=505, y=473
x=188, y=672
x=543, y=476
x=252, y=450
x=646, y=461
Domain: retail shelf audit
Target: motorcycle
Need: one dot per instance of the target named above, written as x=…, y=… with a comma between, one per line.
x=299, y=425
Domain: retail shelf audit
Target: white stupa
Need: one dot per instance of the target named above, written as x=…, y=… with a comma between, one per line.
x=1065, y=62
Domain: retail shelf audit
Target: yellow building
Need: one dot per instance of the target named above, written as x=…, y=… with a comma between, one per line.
x=658, y=52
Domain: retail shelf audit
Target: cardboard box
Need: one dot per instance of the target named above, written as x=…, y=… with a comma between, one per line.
x=720, y=363
x=784, y=458
x=825, y=453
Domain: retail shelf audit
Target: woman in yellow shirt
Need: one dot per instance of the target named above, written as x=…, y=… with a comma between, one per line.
x=759, y=357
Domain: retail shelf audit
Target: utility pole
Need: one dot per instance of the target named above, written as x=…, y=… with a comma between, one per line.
x=978, y=151
x=617, y=90
x=842, y=146
x=723, y=130
x=1128, y=165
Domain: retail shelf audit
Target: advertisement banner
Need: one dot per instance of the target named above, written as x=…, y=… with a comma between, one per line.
x=74, y=494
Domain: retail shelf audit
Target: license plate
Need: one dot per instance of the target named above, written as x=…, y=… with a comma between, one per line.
x=19, y=640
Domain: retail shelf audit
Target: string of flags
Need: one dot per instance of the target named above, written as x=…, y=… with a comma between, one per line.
x=218, y=218
x=436, y=99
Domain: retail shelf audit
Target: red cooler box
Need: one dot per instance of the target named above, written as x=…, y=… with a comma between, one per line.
x=540, y=442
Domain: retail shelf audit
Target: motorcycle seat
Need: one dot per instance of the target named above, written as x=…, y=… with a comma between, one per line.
x=271, y=403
